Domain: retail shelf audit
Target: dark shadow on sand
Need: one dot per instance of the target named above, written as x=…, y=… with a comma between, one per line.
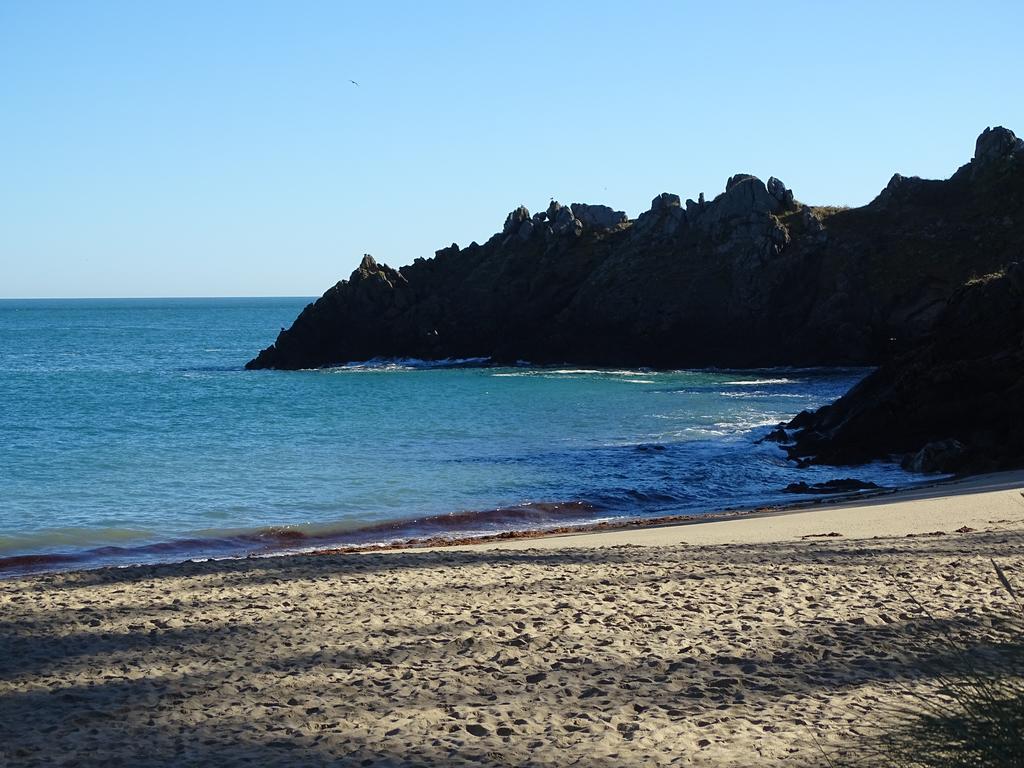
x=164, y=714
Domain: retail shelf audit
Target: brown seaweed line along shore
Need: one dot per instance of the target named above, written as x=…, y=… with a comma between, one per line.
x=285, y=542
x=436, y=542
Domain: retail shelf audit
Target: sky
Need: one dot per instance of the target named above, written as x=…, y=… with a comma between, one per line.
x=220, y=149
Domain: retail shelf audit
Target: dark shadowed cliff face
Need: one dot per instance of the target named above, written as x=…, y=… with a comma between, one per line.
x=751, y=278
x=954, y=404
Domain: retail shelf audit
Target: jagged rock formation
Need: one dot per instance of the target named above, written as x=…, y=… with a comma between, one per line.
x=751, y=278
x=954, y=404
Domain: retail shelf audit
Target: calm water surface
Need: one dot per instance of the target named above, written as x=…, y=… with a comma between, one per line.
x=130, y=432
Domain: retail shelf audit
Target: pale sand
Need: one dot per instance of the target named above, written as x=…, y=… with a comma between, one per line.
x=731, y=643
x=973, y=502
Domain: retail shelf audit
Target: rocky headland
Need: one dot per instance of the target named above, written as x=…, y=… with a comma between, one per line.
x=917, y=281
x=953, y=404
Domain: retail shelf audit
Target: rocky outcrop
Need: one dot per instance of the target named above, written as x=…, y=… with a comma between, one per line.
x=366, y=306
x=598, y=216
x=749, y=278
x=994, y=147
x=843, y=485
x=954, y=404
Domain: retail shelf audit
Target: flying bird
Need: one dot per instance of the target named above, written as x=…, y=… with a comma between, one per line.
x=353, y=82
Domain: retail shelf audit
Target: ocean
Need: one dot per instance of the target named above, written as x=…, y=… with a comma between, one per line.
x=131, y=433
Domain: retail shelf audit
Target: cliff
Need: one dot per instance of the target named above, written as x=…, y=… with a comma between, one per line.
x=954, y=404
x=750, y=278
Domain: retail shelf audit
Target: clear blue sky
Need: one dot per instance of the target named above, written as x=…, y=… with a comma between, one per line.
x=218, y=148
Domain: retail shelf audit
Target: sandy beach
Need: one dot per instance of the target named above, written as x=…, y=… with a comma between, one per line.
x=738, y=642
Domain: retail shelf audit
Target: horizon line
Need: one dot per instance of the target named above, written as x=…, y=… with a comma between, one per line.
x=150, y=298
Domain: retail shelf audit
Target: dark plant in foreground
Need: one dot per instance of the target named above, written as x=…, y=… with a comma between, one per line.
x=973, y=715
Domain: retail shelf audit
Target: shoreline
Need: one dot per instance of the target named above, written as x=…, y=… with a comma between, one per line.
x=955, y=505
x=661, y=529
x=862, y=514
x=740, y=641
x=977, y=483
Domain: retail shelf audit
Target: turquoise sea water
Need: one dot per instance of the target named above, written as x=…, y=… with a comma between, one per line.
x=130, y=432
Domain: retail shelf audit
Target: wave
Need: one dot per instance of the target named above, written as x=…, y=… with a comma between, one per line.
x=763, y=394
x=280, y=539
x=411, y=363
x=789, y=370
x=634, y=497
x=635, y=377
x=760, y=382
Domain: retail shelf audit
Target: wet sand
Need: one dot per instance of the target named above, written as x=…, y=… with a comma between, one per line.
x=731, y=643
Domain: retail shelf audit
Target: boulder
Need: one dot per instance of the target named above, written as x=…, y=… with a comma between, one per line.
x=665, y=217
x=844, y=485
x=938, y=456
x=598, y=216
x=780, y=192
x=777, y=435
x=664, y=201
x=743, y=197
x=776, y=188
x=562, y=220
x=994, y=144
x=732, y=181
x=515, y=219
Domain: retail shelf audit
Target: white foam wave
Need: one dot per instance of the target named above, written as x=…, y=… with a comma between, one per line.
x=410, y=364
x=704, y=432
x=760, y=382
x=755, y=394
x=743, y=425
x=541, y=371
